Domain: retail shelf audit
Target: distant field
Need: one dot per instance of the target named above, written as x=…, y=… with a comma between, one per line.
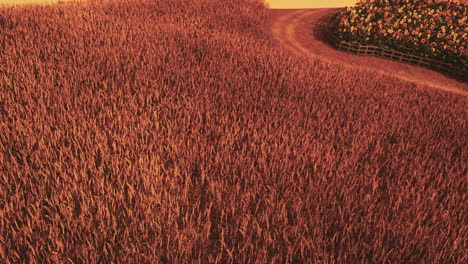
x=273, y=3
x=287, y=4
x=180, y=131
x=21, y=2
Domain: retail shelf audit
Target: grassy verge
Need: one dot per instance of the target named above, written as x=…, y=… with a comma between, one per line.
x=179, y=132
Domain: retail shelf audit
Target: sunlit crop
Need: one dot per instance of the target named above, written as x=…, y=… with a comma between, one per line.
x=435, y=29
x=179, y=131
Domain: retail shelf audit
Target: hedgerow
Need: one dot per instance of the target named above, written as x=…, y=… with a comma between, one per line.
x=435, y=29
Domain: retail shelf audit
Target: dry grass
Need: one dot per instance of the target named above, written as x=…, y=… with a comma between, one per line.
x=175, y=132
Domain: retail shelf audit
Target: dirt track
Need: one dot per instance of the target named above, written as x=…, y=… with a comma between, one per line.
x=294, y=29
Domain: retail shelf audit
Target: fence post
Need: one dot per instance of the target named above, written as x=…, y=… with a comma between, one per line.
x=398, y=56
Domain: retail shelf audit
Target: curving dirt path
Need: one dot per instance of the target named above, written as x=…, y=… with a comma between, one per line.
x=294, y=29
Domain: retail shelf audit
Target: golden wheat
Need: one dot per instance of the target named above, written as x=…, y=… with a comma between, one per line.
x=180, y=132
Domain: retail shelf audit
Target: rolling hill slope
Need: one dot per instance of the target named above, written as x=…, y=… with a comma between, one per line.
x=182, y=131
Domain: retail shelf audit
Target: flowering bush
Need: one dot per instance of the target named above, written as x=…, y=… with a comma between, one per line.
x=434, y=29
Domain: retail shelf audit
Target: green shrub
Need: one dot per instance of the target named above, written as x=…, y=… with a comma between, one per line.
x=435, y=29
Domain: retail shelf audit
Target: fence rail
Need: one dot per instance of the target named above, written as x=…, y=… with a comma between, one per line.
x=459, y=72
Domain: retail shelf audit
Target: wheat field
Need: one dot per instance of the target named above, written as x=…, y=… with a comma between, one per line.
x=10, y=3
x=177, y=131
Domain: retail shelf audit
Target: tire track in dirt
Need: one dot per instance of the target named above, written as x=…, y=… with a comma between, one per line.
x=295, y=30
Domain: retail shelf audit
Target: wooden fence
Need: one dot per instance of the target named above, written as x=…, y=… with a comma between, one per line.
x=459, y=72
